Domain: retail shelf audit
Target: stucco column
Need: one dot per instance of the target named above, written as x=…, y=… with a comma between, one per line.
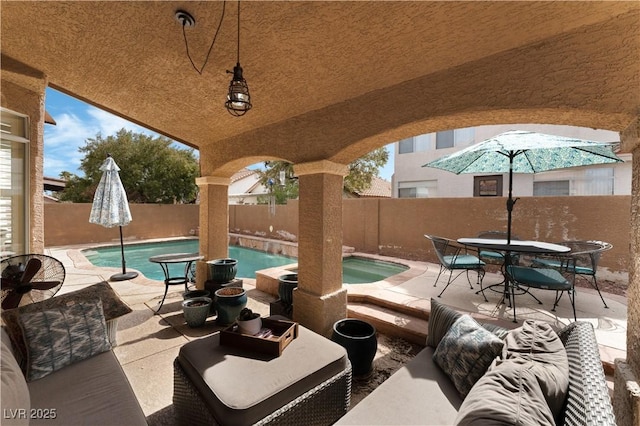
x=214, y=223
x=320, y=300
x=626, y=392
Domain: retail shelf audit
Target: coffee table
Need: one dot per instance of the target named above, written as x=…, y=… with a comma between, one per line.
x=309, y=383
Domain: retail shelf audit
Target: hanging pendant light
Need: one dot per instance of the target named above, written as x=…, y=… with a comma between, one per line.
x=238, y=99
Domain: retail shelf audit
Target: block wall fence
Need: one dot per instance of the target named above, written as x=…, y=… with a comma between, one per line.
x=390, y=227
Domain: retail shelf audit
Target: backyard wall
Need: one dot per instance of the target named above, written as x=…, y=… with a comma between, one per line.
x=68, y=224
x=392, y=227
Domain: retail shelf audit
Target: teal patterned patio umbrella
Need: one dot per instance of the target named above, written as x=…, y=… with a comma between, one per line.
x=111, y=208
x=525, y=152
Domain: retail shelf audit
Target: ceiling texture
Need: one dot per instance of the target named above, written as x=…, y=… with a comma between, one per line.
x=332, y=80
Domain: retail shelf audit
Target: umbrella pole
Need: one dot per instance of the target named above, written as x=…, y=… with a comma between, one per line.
x=124, y=275
x=510, y=201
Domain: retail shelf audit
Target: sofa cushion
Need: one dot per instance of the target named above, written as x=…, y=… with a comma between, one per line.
x=537, y=342
x=465, y=353
x=508, y=395
x=112, y=306
x=15, y=394
x=94, y=391
x=528, y=387
x=61, y=336
x=419, y=393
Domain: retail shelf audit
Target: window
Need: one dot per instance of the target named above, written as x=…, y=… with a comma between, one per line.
x=405, y=146
x=552, y=188
x=598, y=181
x=487, y=186
x=418, y=189
x=444, y=139
x=409, y=145
x=13, y=183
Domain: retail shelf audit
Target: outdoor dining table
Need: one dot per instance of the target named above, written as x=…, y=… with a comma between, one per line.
x=164, y=260
x=513, y=246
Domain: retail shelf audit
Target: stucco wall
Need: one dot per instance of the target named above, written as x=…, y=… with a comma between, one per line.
x=392, y=227
x=68, y=224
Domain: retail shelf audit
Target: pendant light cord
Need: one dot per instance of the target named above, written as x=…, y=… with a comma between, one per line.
x=238, y=31
x=184, y=34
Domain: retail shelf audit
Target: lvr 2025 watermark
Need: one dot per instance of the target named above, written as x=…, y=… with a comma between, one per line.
x=33, y=413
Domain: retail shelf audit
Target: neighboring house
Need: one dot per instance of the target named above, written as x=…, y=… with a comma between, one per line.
x=52, y=186
x=245, y=188
x=379, y=188
x=411, y=180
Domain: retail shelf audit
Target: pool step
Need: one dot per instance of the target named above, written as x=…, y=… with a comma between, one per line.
x=387, y=321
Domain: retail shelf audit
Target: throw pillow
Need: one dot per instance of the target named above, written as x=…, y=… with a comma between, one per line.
x=61, y=336
x=113, y=307
x=441, y=318
x=465, y=353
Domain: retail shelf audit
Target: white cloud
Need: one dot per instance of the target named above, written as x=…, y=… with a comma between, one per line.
x=110, y=124
x=61, y=142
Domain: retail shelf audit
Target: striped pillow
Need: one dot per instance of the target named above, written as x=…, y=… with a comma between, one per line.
x=58, y=337
x=441, y=318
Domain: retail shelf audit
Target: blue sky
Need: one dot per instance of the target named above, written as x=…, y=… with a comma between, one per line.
x=78, y=121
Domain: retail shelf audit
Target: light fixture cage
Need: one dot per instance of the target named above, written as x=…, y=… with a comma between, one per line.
x=238, y=99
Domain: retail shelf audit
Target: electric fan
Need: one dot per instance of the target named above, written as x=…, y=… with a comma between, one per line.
x=29, y=278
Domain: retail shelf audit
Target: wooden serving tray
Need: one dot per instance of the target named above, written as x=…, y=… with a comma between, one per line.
x=283, y=333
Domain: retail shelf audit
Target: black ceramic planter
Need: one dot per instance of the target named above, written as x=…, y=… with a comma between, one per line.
x=286, y=284
x=359, y=339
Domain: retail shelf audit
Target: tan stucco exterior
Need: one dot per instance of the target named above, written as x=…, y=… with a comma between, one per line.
x=330, y=81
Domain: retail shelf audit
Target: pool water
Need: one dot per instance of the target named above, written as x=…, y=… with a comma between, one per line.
x=355, y=270
x=137, y=257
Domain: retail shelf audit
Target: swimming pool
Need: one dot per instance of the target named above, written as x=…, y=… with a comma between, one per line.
x=137, y=257
x=358, y=270
x=355, y=270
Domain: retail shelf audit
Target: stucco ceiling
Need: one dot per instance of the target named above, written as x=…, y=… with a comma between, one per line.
x=332, y=79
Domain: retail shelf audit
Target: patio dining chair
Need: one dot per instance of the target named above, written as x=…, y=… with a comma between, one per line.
x=586, y=255
x=456, y=257
x=548, y=272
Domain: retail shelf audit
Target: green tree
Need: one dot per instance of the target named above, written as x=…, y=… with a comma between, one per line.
x=152, y=171
x=361, y=173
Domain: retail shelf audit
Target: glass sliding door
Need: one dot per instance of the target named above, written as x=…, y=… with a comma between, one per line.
x=14, y=188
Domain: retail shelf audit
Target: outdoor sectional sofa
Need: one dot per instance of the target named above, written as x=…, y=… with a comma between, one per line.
x=526, y=385
x=58, y=366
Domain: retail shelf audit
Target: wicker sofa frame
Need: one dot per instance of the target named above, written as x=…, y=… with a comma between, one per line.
x=588, y=401
x=321, y=405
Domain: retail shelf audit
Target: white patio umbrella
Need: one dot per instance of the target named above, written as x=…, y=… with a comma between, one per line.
x=111, y=208
x=525, y=152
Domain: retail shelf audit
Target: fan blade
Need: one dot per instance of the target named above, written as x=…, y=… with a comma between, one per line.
x=8, y=283
x=44, y=285
x=12, y=300
x=30, y=270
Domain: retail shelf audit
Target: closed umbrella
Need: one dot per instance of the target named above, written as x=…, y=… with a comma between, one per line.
x=525, y=152
x=110, y=208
